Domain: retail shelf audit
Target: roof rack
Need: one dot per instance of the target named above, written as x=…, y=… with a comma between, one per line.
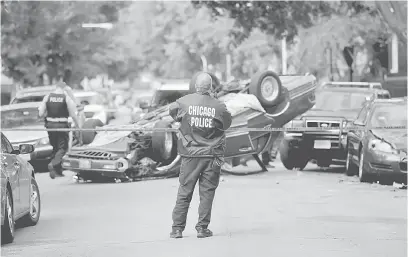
x=370, y=85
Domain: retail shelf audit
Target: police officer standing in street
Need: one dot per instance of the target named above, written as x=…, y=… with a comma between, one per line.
x=203, y=121
x=57, y=107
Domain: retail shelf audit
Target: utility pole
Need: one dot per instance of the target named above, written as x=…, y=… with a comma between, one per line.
x=284, y=56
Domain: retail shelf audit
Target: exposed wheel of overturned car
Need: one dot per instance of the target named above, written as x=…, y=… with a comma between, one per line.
x=267, y=87
x=164, y=144
x=88, y=136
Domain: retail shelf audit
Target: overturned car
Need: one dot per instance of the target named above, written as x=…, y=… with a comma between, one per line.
x=133, y=152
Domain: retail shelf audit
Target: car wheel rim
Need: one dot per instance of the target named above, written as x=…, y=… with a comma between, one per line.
x=360, y=166
x=34, y=203
x=10, y=214
x=168, y=145
x=269, y=88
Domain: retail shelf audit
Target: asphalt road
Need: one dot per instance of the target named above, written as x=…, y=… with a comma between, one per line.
x=278, y=213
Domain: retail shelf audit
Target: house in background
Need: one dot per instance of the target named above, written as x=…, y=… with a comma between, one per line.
x=395, y=79
x=395, y=14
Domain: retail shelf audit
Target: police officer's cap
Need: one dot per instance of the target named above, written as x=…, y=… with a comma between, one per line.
x=203, y=82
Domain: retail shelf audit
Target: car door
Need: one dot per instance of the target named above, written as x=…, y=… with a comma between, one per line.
x=355, y=135
x=8, y=162
x=24, y=179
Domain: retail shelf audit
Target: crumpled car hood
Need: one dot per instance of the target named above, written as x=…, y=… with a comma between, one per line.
x=396, y=137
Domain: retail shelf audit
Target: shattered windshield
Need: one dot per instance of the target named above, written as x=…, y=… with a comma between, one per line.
x=20, y=117
x=335, y=101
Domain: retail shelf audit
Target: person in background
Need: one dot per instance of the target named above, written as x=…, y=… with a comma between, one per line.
x=57, y=107
x=203, y=121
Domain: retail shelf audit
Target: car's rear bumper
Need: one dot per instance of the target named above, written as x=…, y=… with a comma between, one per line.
x=387, y=164
x=305, y=142
x=94, y=168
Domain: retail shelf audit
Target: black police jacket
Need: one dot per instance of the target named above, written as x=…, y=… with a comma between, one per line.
x=203, y=121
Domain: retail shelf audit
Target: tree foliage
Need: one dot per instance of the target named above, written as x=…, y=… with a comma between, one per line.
x=47, y=38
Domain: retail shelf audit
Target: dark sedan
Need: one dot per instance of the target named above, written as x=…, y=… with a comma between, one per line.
x=20, y=195
x=379, y=154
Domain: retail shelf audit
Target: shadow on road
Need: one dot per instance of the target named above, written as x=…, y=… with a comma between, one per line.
x=334, y=169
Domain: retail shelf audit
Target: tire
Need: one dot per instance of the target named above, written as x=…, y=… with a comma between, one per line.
x=7, y=230
x=362, y=174
x=291, y=158
x=215, y=80
x=89, y=136
x=324, y=163
x=164, y=144
x=268, y=96
x=32, y=218
x=351, y=168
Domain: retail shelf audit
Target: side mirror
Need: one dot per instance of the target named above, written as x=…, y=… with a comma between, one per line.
x=26, y=148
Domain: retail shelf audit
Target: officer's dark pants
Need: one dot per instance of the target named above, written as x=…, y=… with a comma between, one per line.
x=59, y=142
x=192, y=170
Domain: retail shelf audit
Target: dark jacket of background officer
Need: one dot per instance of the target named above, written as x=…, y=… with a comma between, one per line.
x=203, y=121
x=57, y=107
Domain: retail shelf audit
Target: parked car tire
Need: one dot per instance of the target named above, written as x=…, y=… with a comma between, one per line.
x=362, y=172
x=267, y=87
x=291, y=158
x=215, y=81
x=164, y=144
x=7, y=230
x=32, y=218
x=89, y=136
x=351, y=168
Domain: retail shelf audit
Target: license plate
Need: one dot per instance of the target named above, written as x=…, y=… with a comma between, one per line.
x=84, y=164
x=322, y=144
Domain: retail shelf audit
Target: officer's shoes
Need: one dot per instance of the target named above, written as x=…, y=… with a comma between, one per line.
x=52, y=171
x=176, y=234
x=204, y=232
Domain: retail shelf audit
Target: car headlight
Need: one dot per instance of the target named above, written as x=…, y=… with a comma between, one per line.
x=44, y=141
x=381, y=146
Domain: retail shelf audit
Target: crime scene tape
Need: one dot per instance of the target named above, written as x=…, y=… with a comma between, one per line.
x=241, y=129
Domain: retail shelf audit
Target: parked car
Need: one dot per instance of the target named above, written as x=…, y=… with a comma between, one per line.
x=20, y=194
x=379, y=154
x=337, y=104
x=37, y=94
x=32, y=94
x=256, y=103
x=25, y=115
x=94, y=105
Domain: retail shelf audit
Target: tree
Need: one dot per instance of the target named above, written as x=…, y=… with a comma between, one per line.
x=277, y=18
x=47, y=38
x=356, y=26
x=171, y=46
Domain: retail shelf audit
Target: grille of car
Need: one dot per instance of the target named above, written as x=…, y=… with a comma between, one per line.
x=403, y=164
x=322, y=124
x=96, y=155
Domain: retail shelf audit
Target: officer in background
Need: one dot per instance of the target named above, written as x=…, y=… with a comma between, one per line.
x=57, y=107
x=203, y=121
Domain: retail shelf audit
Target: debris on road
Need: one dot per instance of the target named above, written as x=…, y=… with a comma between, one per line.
x=399, y=186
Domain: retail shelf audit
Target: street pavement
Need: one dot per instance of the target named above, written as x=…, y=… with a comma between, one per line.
x=278, y=213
